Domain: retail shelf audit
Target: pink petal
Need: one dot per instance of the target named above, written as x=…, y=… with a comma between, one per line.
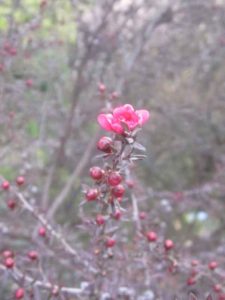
x=122, y=110
x=117, y=127
x=119, y=111
x=104, y=121
x=125, y=113
x=143, y=115
x=132, y=124
x=128, y=107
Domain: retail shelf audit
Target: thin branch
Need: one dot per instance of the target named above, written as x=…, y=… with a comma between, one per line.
x=55, y=234
x=19, y=276
x=76, y=173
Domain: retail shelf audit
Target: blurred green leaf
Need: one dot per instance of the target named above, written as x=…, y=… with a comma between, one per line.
x=33, y=128
x=3, y=23
x=8, y=172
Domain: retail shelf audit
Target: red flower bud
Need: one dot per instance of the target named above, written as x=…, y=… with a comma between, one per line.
x=213, y=265
x=100, y=220
x=191, y=281
x=11, y=204
x=42, y=232
x=118, y=191
x=9, y=262
x=92, y=194
x=101, y=88
x=5, y=185
x=194, y=263
x=19, y=294
x=96, y=173
x=20, y=180
x=117, y=214
x=110, y=242
x=33, y=255
x=217, y=288
x=114, y=178
x=151, y=236
x=142, y=215
x=105, y=144
x=168, y=245
x=114, y=95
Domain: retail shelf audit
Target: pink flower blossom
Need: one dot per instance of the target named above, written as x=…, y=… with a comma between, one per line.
x=122, y=118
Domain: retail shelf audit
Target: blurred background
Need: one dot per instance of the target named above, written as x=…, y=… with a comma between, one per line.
x=167, y=56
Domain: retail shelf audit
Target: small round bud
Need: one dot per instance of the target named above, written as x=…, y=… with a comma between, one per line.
x=19, y=294
x=217, y=288
x=114, y=95
x=11, y=204
x=213, y=265
x=191, y=281
x=42, y=232
x=20, y=180
x=151, y=236
x=101, y=88
x=105, y=144
x=118, y=191
x=92, y=194
x=110, y=242
x=142, y=215
x=33, y=255
x=114, y=178
x=194, y=263
x=100, y=220
x=168, y=245
x=117, y=214
x=5, y=185
x=96, y=173
x=9, y=262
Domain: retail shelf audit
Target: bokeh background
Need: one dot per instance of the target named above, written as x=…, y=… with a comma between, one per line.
x=165, y=56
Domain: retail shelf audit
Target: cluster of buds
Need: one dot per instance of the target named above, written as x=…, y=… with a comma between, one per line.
x=108, y=189
x=5, y=186
x=104, y=94
x=110, y=184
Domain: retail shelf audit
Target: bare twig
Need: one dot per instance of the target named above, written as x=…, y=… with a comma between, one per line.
x=76, y=173
x=19, y=276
